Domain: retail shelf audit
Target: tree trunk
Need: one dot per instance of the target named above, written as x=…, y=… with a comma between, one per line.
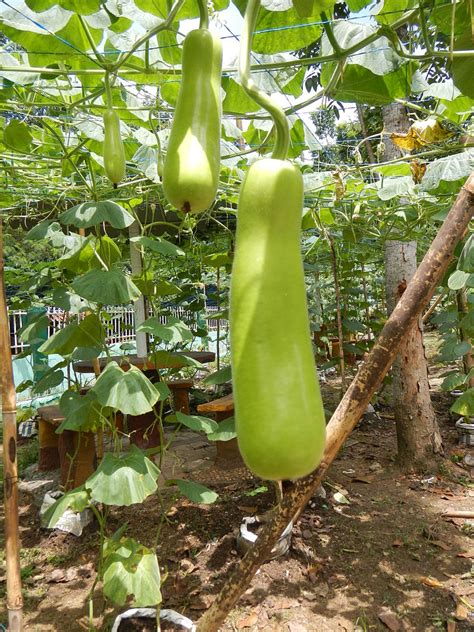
x=417, y=429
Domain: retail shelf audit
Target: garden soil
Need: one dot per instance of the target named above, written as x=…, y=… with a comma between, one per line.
x=376, y=553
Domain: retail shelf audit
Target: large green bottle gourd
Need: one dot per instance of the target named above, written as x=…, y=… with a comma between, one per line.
x=192, y=163
x=114, y=153
x=278, y=408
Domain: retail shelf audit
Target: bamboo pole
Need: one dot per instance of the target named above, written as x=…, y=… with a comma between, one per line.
x=369, y=377
x=10, y=469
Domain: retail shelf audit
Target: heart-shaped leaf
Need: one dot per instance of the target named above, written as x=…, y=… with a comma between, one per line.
x=128, y=391
x=123, y=480
x=90, y=214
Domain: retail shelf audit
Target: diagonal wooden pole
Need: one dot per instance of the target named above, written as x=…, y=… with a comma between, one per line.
x=368, y=379
x=10, y=470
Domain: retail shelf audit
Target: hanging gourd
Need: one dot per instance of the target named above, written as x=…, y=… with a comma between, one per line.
x=114, y=152
x=192, y=164
x=279, y=414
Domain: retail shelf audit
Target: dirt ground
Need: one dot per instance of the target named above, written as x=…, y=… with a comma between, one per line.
x=375, y=554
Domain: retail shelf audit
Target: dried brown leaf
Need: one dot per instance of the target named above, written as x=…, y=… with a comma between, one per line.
x=248, y=621
x=389, y=619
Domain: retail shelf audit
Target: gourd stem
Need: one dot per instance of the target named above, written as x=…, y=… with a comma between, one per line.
x=203, y=14
x=282, y=128
x=108, y=91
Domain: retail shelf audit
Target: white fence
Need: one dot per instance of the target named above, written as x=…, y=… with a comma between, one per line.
x=119, y=328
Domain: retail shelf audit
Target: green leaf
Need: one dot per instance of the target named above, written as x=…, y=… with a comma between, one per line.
x=217, y=259
x=461, y=68
x=196, y=422
x=226, y=431
x=44, y=230
x=466, y=260
x=277, y=31
x=87, y=333
x=159, y=245
x=219, y=377
x=173, y=331
x=165, y=288
x=33, y=331
x=172, y=360
x=458, y=280
x=90, y=214
x=69, y=301
x=467, y=323
x=353, y=325
x=76, y=500
x=376, y=75
x=81, y=412
x=326, y=217
x=17, y=136
x=52, y=378
x=196, y=492
x=123, y=480
x=395, y=186
x=106, y=287
x=453, y=381
x=453, y=169
x=131, y=570
x=464, y=404
x=128, y=391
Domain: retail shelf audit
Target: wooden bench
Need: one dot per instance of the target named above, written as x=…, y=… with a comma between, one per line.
x=180, y=391
x=73, y=452
x=58, y=450
x=228, y=455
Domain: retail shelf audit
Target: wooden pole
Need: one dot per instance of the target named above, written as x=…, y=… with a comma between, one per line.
x=10, y=469
x=369, y=377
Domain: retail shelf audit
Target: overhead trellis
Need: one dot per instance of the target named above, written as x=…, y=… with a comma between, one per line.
x=56, y=53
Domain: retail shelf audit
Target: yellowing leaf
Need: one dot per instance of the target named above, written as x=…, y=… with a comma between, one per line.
x=421, y=133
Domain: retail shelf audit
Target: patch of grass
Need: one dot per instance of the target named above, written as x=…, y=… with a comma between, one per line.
x=27, y=454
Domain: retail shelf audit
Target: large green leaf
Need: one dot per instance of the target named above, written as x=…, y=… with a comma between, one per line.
x=194, y=422
x=395, y=186
x=106, y=287
x=453, y=169
x=84, y=7
x=190, y=9
x=458, y=280
x=131, y=570
x=52, y=36
x=466, y=260
x=123, y=480
x=374, y=75
x=90, y=214
x=464, y=405
x=87, y=333
x=130, y=391
x=33, y=331
x=278, y=31
x=219, y=377
x=173, y=331
x=158, y=244
x=225, y=432
x=81, y=412
x=196, y=492
x=17, y=135
x=462, y=67
x=69, y=301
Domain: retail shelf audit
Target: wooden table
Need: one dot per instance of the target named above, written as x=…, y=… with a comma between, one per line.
x=153, y=362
